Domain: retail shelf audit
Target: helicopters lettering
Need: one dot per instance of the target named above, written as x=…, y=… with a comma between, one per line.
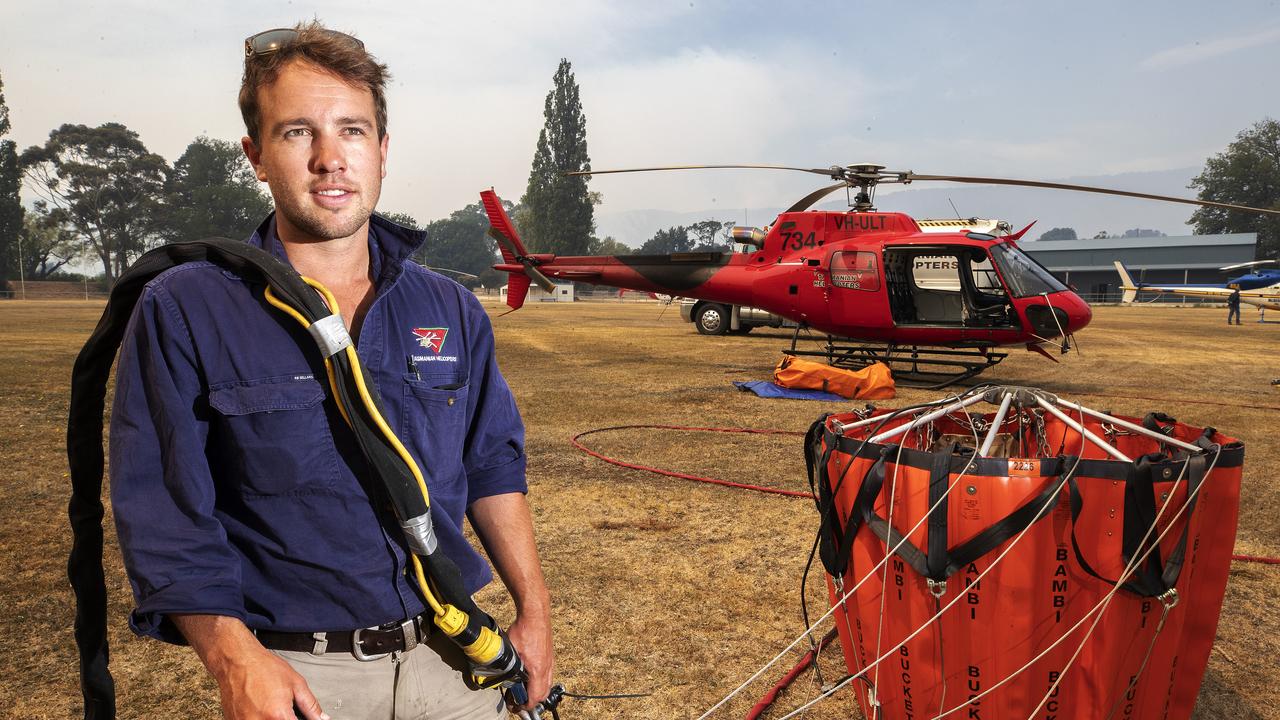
x=851, y=275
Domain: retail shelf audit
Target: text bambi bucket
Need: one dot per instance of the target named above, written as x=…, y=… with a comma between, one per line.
x=1045, y=560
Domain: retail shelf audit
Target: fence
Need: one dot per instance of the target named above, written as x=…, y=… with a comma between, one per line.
x=51, y=290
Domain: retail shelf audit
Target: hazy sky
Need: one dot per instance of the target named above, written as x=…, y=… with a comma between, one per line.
x=1018, y=89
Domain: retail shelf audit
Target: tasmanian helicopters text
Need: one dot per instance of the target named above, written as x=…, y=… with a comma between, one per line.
x=434, y=358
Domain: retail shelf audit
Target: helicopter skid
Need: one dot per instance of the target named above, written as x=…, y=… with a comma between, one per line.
x=912, y=365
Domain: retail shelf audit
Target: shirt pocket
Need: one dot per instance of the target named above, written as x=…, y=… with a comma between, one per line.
x=435, y=427
x=273, y=437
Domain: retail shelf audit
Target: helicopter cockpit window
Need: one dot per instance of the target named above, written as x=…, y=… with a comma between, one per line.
x=855, y=271
x=1025, y=276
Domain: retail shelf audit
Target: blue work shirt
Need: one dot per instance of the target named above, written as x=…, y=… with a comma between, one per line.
x=236, y=486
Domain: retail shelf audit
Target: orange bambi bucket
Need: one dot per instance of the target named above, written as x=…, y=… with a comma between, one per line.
x=1051, y=579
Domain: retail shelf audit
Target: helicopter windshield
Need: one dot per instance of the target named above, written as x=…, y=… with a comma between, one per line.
x=1025, y=276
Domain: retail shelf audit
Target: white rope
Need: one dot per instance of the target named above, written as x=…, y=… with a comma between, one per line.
x=884, y=579
x=1155, y=636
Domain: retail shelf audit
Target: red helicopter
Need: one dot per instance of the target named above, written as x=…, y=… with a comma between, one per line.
x=934, y=306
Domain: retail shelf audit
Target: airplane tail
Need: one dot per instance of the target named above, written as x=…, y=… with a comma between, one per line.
x=1127, y=284
x=515, y=259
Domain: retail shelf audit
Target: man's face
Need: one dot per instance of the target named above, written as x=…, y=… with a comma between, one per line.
x=319, y=152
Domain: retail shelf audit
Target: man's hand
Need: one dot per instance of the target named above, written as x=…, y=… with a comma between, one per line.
x=267, y=688
x=255, y=684
x=505, y=526
x=531, y=636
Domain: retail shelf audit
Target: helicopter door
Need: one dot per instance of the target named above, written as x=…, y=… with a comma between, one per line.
x=855, y=288
x=944, y=286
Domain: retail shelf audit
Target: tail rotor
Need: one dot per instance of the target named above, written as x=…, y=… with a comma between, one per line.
x=504, y=232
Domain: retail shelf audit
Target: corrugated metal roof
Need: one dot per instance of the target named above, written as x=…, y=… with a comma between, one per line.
x=1144, y=242
x=1131, y=266
x=1182, y=252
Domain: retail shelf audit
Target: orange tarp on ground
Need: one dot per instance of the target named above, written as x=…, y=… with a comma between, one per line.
x=873, y=382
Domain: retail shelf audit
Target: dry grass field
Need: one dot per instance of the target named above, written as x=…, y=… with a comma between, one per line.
x=660, y=585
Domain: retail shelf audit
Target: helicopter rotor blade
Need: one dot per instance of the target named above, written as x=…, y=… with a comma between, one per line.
x=866, y=175
x=817, y=171
x=1250, y=264
x=1083, y=188
x=504, y=241
x=459, y=273
x=530, y=268
x=805, y=202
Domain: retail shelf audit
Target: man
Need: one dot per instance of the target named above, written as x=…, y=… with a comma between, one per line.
x=248, y=523
x=1233, y=306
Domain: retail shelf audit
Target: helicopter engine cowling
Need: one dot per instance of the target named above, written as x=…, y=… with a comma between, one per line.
x=748, y=235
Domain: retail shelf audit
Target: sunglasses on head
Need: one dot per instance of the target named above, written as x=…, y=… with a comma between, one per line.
x=269, y=41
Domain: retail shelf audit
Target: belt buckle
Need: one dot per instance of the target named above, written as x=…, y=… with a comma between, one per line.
x=358, y=652
x=408, y=633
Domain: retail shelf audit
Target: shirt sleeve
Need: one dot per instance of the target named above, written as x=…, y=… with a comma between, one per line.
x=494, y=457
x=162, y=493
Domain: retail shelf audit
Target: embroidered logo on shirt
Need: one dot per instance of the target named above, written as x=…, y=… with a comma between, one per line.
x=431, y=338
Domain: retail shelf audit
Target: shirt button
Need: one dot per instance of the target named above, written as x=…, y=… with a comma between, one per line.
x=450, y=401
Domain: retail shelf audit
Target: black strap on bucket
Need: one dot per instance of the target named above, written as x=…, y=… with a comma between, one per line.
x=835, y=537
x=939, y=480
x=830, y=533
x=1152, y=577
x=942, y=561
x=85, y=454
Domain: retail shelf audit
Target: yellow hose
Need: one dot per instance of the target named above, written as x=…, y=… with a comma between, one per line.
x=419, y=573
x=489, y=644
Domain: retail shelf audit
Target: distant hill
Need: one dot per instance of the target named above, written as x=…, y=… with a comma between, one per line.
x=1088, y=213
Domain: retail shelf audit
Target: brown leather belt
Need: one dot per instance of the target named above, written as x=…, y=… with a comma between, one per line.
x=364, y=644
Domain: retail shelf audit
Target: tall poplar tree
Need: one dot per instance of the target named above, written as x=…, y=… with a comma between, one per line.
x=556, y=211
x=10, y=196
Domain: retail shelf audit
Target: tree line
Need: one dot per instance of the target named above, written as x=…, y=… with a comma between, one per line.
x=1070, y=234
x=103, y=198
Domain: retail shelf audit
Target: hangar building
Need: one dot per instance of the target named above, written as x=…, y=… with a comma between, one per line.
x=1087, y=264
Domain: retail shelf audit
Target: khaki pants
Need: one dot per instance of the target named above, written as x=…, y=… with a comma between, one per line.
x=425, y=683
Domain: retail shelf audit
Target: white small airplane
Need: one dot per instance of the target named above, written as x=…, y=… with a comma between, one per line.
x=1260, y=288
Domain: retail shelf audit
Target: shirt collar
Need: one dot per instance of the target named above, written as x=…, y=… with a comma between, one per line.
x=390, y=244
